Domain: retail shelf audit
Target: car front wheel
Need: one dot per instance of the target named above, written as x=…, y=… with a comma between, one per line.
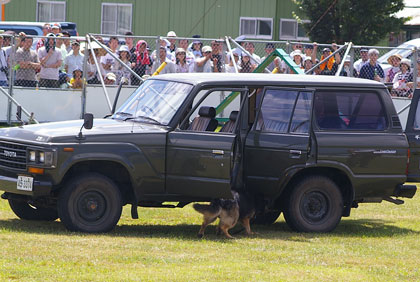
x=90, y=203
x=314, y=205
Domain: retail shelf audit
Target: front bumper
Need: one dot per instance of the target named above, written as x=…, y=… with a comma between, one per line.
x=40, y=187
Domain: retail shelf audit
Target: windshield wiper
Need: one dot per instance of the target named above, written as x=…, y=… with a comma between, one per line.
x=143, y=117
x=123, y=114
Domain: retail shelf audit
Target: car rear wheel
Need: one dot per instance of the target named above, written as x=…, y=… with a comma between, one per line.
x=29, y=212
x=314, y=205
x=90, y=203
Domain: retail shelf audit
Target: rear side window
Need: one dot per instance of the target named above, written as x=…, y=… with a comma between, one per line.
x=349, y=111
x=285, y=111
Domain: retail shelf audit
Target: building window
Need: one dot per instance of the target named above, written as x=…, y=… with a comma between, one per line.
x=116, y=18
x=291, y=29
x=256, y=27
x=51, y=11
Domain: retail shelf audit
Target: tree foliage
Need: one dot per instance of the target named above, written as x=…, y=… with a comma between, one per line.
x=361, y=22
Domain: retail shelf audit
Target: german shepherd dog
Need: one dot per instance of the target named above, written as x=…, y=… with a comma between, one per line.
x=241, y=208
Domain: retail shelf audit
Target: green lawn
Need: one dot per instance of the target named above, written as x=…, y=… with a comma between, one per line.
x=378, y=242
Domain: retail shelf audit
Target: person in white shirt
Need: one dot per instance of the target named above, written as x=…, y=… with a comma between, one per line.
x=170, y=66
x=4, y=70
x=108, y=61
x=74, y=60
x=363, y=60
x=50, y=59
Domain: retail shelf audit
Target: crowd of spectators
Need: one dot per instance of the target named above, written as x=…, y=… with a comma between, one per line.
x=57, y=61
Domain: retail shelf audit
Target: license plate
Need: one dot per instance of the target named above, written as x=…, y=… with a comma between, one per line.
x=25, y=183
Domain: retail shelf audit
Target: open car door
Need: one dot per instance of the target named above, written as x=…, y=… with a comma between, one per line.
x=412, y=131
x=200, y=152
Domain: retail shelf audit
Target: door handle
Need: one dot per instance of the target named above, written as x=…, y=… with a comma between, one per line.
x=218, y=152
x=295, y=154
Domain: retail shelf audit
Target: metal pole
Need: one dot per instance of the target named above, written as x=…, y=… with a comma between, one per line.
x=344, y=59
x=11, y=79
x=231, y=54
x=246, y=52
x=351, y=61
x=326, y=59
x=118, y=59
x=84, y=90
x=12, y=100
x=100, y=75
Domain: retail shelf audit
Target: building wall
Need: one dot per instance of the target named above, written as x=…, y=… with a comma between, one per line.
x=209, y=18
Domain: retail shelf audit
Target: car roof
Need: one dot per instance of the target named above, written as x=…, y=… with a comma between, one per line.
x=268, y=79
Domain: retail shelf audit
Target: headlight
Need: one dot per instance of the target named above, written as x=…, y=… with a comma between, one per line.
x=42, y=157
x=32, y=156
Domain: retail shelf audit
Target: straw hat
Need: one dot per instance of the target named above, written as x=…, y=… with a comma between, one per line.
x=398, y=56
x=94, y=45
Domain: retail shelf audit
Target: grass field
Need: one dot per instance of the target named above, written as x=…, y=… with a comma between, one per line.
x=378, y=242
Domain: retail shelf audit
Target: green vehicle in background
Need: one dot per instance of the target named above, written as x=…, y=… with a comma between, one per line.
x=312, y=147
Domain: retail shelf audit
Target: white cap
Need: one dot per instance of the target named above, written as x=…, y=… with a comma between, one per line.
x=171, y=34
x=111, y=76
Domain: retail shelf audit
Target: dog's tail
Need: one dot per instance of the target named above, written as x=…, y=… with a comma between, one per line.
x=207, y=209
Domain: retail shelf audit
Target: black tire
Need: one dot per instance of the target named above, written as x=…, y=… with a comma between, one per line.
x=266, y=218
x=28, y=212
x=314, y=205
x=90, y=203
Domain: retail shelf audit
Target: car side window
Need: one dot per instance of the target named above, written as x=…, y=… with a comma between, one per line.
x=302, y=114
x=276, y=110
x=207, y=117
x=349, y=111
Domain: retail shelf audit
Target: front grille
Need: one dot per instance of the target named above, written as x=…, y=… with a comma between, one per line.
x=12, y=155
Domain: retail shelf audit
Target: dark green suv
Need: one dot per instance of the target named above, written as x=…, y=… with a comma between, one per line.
x=312, y=147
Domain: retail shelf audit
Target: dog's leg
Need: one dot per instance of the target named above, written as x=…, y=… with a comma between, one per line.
x=206, y=222
x=225, y=229
x=246, y=224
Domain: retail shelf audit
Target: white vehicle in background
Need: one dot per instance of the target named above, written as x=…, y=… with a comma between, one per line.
x=405, y=50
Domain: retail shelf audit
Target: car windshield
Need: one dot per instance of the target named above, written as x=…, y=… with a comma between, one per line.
x=155, y=101
x=403, y=52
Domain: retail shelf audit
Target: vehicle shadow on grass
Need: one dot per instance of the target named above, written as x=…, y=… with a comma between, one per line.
x=347, y=228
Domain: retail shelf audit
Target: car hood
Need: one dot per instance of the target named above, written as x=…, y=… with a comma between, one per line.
x=66, y=131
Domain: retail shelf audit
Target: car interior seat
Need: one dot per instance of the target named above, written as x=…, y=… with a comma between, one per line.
x=229, y=126
x=205, y=120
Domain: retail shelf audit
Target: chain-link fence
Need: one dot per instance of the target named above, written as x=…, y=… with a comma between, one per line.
x=96, y=65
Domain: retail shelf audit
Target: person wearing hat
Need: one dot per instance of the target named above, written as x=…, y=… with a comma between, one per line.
x=400, y=86
x=170, y=37
x=110, y=78
x=394, y=61
x=74, y=60
x=346, y=68
x=142, y=62
x=246, y=65
x=331, y=65
x=363, y=60
x=307, y=65
x=121, y=70
x=196, y=46
x=204, y=63
x=50, y=59
x=189, y=56
x=56, y=28
x=181, y=61
x=170, y=66
x=411, y=84
x=236, y=56
x=297, y=57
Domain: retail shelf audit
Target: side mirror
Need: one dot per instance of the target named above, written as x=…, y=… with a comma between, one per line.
x=88, y=121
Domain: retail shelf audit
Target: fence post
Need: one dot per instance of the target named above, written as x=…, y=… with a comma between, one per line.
x=84, y=90
x=11, y=79
x=351, y=53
